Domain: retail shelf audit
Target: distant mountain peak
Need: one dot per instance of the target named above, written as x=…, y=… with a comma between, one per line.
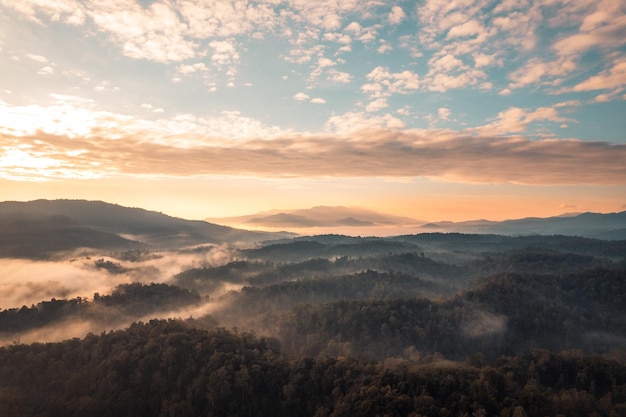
x=319, y=217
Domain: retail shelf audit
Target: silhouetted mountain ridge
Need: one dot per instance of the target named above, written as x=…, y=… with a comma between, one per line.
x=36, y=228
x=319, y=216
x=595, y=225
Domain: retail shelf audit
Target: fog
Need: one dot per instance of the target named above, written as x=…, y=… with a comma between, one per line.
x=27, y=282
x=115, y=320
x=374, y=297
x=24, y=282
x=483, y=323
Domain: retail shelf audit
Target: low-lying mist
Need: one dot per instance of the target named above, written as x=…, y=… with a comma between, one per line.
x=333, y=295
x=81, y=274
x=84, y=274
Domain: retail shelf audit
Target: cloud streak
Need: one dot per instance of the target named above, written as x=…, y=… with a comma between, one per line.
x=444, y=154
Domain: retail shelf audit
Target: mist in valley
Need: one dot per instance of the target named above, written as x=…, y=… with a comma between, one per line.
x=310, y=292
x=264, y=318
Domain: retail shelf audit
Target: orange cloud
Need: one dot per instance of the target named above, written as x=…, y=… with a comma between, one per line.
x=374, y=152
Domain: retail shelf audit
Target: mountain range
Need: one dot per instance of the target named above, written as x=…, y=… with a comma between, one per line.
x=38, y=228
x=610, y=226
x=319, y=216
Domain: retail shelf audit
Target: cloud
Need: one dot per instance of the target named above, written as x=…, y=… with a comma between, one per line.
x=354, y=145
x=516, y=120
x=318, y=100
x=38, y=58
x=601, y=27
x=397, y=15
x=444, y=82
x=164, y=31
x=469, y=28
x=384, y=47
x=536, y=70
x=151, y=108
x=354, y=28
x=224, y=52
x=300, y=97
x=154, y=33
x=448, y=72
x=443, y=113
x=376, y=105
x=612, y=78
x=47, y=70
x=384, y=83
x=187, y=69
x=339, y=76
x=337, y=37
x=71, y=12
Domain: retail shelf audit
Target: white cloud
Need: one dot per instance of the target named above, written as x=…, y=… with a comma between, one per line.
x=351, y=122
x=300, y=97
x=38, y=58
x=337, y=37
x=443, y=82
x=105, y=86
x=384, y=83
x=318, y=100
x=71, y=12
x=397, y=15
x=612, y=78
x=224, y=52
x=186, y=69
x=469, y=28
x=376, y=105
x=47, y=70
x=566, y=104
x=384, y=47
x=154, y=33
x=354, y=28
x=339, y=76
x=515, y=120
x=151, y=108
x=537, y=70
x=443, y=113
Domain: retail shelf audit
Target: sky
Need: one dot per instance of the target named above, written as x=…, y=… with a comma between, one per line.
x=431, y=109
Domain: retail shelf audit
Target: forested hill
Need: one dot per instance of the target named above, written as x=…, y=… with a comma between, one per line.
x=418, y=325
x=127, y=302
x=171, y=368
x=37, y=229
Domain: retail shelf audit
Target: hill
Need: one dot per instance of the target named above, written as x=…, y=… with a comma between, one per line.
x=610, y=226
x=38, y=228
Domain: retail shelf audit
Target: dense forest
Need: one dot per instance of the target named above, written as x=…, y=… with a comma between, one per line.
x=171, y=368
x=421, y=325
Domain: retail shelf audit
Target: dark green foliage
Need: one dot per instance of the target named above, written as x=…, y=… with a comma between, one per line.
x=505, y=314
x=427, y=325
x=111, y=267
x=370, y=285
x=302, y=249
x=209, y=279
x=127, y=300
x=170, y=368
x=451, y=242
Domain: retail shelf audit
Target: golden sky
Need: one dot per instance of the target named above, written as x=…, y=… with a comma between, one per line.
x=434, y=110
